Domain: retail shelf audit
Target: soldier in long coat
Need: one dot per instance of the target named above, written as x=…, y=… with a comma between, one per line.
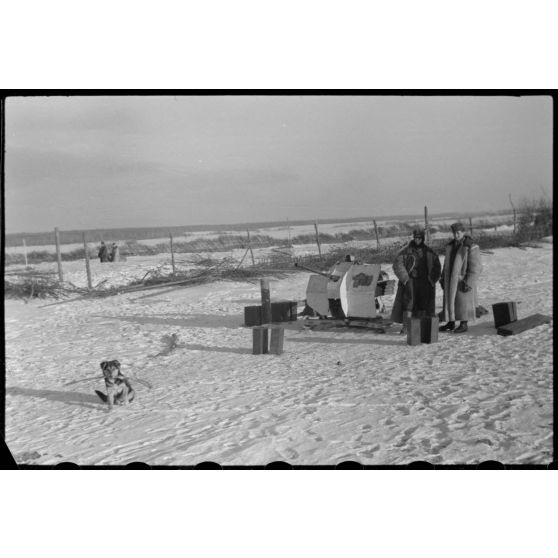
x=103, y=252
x=462, y=266
x=114, y=255
x=417, y=267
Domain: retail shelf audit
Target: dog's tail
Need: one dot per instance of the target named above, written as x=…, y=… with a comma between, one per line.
x=101, y=395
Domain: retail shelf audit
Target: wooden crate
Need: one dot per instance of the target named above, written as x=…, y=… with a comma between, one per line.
x=284, y=311
x=429, y=330
x=413, y=331
x=281, y=311
x=252, y=315
x=260, y=340
x=263, y=342
x=504, y=313
x=277, y=338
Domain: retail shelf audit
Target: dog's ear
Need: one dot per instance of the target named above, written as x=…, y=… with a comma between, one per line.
x=104, y=365
x=116, y=363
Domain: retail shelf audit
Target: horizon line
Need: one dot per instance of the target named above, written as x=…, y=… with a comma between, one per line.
x=261, y=224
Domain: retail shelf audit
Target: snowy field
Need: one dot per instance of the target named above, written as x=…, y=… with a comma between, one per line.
x=332, y=396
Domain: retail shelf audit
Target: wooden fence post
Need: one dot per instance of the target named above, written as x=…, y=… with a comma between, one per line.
x=426, y=227
x=514, y=214
x=87, y=267
x=250, y=248
x=25, y=252
x=58, y=255
x=377, y=237
x=470, y=226
x=172, y=255
x=266, y=301
x=240, y=263
x=289, y=231
x=318, y=239
x=266, y=312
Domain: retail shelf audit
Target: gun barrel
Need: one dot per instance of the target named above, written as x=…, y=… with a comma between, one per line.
x=328, y=275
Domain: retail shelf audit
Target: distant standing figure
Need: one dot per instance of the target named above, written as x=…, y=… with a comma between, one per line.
x=417, y=267
x=462, y=266
x=115, y=253
x=103, y=253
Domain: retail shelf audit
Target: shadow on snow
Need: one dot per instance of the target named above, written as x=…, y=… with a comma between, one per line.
x=192, y=320
x=69, y=397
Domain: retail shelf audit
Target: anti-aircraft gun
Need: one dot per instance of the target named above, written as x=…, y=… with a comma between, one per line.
x=350, y=291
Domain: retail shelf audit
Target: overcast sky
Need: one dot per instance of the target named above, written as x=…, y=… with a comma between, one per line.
x=107, y=162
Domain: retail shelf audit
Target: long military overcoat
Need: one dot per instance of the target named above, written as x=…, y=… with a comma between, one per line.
x=459, y=305
x=401, y=266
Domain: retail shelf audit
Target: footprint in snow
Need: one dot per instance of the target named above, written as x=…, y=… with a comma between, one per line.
x=371, y=451
x=290, y=453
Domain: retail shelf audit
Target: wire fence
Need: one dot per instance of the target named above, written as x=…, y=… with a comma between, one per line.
x=280, y=248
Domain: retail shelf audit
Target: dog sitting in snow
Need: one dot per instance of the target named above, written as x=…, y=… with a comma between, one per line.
x=119, y=389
